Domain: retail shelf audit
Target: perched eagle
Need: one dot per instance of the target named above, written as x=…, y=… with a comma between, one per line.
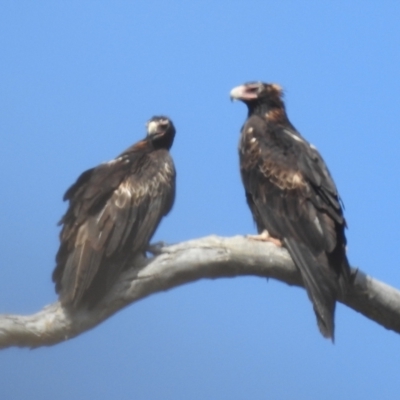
x=293, y=198
x=114, y=210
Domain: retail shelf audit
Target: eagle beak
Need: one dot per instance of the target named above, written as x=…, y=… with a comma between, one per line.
x=237, y=93
x=152, y=127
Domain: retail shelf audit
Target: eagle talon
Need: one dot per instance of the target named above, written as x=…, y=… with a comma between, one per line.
x=156, y=248
x=264, y=236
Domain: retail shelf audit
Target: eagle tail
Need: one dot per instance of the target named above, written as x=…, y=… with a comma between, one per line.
x=320, y=282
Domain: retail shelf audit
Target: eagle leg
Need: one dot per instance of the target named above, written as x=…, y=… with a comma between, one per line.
x=156, y=248
x=264, y=236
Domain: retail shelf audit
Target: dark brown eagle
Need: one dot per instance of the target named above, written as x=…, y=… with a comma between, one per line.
x=293, y=198
x=114, y=210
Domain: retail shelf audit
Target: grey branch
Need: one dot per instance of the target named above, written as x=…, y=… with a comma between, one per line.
x=210, y=257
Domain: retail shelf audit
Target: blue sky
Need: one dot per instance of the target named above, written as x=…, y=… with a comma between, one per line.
x=79, y=79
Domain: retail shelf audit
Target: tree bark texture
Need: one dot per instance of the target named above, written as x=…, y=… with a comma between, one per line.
x=210, y=257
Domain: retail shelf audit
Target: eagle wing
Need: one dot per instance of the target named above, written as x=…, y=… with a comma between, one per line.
x=291, y=194
x=113, y=213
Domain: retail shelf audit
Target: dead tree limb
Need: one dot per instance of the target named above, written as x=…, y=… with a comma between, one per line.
x=210, y=257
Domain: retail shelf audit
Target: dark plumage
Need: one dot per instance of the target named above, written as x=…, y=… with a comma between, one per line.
x=114, y=210
x=291, y=195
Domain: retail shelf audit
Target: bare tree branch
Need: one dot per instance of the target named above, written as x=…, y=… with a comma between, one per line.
x=209, y=257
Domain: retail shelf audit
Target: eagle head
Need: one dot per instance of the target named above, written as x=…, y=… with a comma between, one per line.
x=252, y=93
x=160, y=131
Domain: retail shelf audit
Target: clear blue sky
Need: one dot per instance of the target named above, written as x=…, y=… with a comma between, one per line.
x=79, y=79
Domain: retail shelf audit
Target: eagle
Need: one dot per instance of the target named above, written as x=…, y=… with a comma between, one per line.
x=114, y=210
x=292, y=197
